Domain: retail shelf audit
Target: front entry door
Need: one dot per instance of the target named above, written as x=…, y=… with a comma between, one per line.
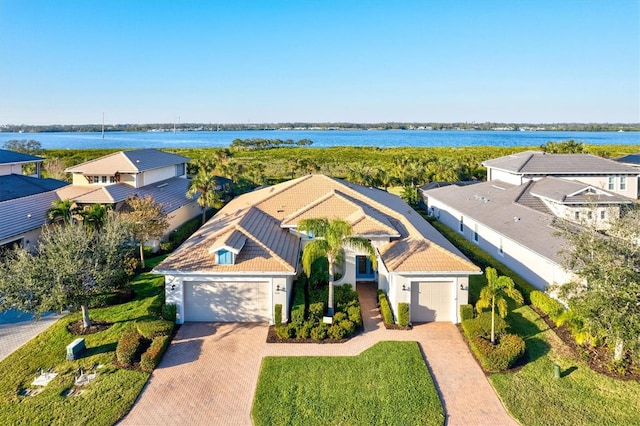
x=364, y=270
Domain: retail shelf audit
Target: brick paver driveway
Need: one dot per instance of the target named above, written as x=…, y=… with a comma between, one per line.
x=208, y=376
x=209, y=373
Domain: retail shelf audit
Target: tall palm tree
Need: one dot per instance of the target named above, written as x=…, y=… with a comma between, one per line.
x=95, y=216
x=62, y=210
x=494, y=294
x=330, y=239
x=206, y=185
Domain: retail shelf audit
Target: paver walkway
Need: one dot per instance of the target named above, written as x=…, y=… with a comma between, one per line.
x=209, y=373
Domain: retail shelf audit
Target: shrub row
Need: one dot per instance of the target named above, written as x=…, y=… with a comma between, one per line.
x=403, y=314
x=278, y=314
x=169, y=312
x=466, y=312
x=385, y=308
x=151, y=357
x=484, y=259
x=547, y=304
x=298, y=304
x=151, y=329
x=128, y=346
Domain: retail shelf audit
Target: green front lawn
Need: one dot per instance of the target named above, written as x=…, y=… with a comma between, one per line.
x=108, y=397
x=580, y=397
x=388, y=384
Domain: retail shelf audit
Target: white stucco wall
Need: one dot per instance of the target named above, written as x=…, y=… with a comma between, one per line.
x=603, y=183
x=10, y=169
x=493, y=174
x=183, y=214
x=536, y=269
x=156, y=175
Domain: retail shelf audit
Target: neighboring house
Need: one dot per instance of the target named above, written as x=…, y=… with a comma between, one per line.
x=110, y=180
x=513, y=215
x=598, y=172
x=632, y=160
x=24, y=200
x=244, y=260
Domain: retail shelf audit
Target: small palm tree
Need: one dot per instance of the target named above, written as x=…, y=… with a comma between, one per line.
x=62, y=210
x=206, y=185
x=95, y=216
x=330, y=239
x=494, y=294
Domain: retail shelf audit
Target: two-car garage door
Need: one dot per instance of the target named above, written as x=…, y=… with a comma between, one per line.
x=431, y=301
x=227, y=301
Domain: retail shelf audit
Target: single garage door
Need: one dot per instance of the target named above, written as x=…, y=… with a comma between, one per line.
x=227, y=301
x=431, y=301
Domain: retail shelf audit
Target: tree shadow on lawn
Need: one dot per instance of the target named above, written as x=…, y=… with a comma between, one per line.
x=95, y=350
x=536, y=346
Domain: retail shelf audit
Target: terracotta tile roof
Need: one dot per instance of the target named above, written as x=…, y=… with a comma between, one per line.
x=262, y=214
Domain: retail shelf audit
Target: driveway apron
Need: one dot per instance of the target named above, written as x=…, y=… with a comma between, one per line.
x=210, y=371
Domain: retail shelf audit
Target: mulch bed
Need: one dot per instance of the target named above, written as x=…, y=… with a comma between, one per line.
x=77, y=327
x=599, y=358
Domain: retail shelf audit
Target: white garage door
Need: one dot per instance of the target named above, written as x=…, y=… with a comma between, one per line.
x=431, y=301
x=227, y=301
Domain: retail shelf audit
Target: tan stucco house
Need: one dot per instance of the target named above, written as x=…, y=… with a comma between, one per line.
x=244, y=260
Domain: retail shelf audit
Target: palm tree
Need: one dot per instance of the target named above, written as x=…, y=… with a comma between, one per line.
x=95, y=216
x=330, y=239
x=62, y=210
x=494, y=294
x=206, y=185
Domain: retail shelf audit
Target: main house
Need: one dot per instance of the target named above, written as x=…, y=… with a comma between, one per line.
x=244, y=260
x=513, y=215
x=108, y=180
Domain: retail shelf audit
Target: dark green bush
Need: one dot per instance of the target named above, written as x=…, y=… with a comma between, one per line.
x=155, y=307
x=169, y=312
x=152, y=356
x=291, y=330
x=385, y=308
x=298, y=304
x=151, y=329
x=278, y=314
x=481, y=326
x=128, y=346
x=316, y=311
x=336, y=332
x=466, y=312
x=319, y=332
x=181, y=233
x=355, y=315
x=403, y=314
x=547, y=304
x=349, y=326
x=501, y=356
x=344, y=295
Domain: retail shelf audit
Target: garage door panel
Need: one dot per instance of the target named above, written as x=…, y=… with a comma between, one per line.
x=431, y=301
x=227, y=301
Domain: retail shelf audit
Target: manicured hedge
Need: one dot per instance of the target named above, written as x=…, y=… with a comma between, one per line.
x=154, y=328
x=278, y=314
x=501, y=356
x=128, y=346
x=481, y=326
x=385, y=308
x=355, y=315
x=403, y=314
x=298, y=304
x=466, y=312
x=547, y=304
x=169, y=312
x=152, y=356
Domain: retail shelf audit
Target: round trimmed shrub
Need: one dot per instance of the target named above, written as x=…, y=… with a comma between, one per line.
x=304, y=330
x=316, y=311
x=355, y=315
x=319, y=332
x=481, y=326
x=336, y=332
x=339, y=316
x=348, y=326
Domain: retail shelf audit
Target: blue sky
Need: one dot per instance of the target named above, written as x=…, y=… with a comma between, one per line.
x=319, y=61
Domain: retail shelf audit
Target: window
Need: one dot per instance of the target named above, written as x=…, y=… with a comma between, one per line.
x=225, y=257
x=623, y=183
x=603, y=214
x=461, y=224
x=475, y=233
x=590, y=215
x=577, y=215
x=96, y=179
x=611, y=183
x=104, y=179
x=112, y=179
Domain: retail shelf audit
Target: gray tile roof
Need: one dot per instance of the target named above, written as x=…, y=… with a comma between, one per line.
x=12, y=157
x=135, y=161
x=539, y=163
x=567, y=191
x=631, y=159
x=24, y=214
x=17, y=186
x=493, y=205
